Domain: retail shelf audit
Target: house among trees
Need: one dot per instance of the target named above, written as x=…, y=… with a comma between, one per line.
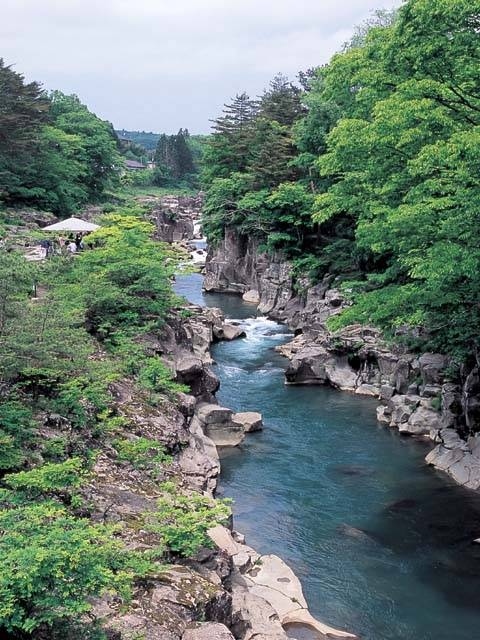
x=134, y=165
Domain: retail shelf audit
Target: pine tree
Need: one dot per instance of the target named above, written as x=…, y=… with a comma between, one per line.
x=23, y=110
x=229, y=147
x=281, y=102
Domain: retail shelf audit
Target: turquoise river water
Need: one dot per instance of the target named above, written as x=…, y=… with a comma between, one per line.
x=381, y=543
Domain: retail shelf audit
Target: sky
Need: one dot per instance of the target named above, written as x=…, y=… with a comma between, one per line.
x=158, y=65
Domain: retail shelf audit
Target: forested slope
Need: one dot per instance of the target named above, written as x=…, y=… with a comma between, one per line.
x=369, y=171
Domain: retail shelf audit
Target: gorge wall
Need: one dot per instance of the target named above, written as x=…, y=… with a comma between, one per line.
x=228, y=591
x=416, y=393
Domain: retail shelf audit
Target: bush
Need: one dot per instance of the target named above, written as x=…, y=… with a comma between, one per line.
x=16, y=433
x=156, y=376
x=182, y=521
x=49, y=479
x=51, y=564
x=142, y=453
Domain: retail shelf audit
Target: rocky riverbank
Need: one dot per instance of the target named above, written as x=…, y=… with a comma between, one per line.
x=267, y=597
x=226, y=590
x=416, y=393
x=229, y=591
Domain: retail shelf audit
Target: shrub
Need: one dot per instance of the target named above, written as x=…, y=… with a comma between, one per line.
x=142, y=453
x=51, y=564
x=16, y=432
x=156, y=376
x=182, y=521
x=50, y=478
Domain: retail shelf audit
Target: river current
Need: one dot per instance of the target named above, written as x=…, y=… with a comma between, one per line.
x=382, y=544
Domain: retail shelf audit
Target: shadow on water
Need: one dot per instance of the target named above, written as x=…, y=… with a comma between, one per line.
x=383, y=544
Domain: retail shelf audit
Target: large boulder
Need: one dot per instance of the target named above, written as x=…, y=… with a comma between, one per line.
x=228, y=332
x=458, y=458
x=251, y=296
x=308, y=366
x=253, y=618
x=432, y=367
x=249, y=420
x=188, y=368
x=274, y=581
x=213, y=413
x=423, y=421
x=199, y=461
x=401, y=408
x=218, y=425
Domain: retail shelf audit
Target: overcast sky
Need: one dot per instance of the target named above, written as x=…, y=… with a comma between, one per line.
x=164, y=64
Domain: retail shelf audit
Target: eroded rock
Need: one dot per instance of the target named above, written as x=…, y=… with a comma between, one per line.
x=248, y=420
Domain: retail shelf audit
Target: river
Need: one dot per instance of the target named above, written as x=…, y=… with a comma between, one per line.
x=381, y=543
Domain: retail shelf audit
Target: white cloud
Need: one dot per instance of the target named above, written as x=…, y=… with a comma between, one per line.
x=162, y=64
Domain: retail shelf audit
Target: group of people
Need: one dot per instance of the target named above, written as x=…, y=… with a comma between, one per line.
x=61, y=246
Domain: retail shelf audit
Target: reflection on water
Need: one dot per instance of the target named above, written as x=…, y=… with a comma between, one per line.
x=382, y=544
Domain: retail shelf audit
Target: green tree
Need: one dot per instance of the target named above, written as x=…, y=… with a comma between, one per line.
x=102, y=160
x=51, y=564
x=228, y=148
x=23, y=111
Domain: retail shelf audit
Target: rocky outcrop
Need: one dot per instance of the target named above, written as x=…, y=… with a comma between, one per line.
x=208, y=631
x=248, y=420
x=228, y=331
x=457, y=457
x=174, y=216
x=267, y=595
x=218, y=425
x=415, y=393
x=166, y=607
x=252, y=296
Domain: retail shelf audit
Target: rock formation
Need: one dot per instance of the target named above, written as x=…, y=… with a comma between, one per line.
x=416, y=393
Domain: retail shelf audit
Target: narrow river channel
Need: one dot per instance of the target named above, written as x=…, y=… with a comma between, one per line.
x=382, y=544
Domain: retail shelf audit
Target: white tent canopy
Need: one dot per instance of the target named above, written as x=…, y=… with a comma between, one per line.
x=72, y=224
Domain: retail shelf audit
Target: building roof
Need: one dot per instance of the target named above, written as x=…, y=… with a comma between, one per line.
x=72, y=224
x=134, y=164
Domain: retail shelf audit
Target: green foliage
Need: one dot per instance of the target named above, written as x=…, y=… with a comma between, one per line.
x=386, y=163
x=182, y=521
x=142, y=453
x=98, y=138
x=59, y=355
x=16, y=432
x=23, y=113
x=50, y=478
x=126, y=280
x=147, y=140
x=157, y=377
x=52, y=563
x=249, y=171
x=55, y=153
x=174, y=160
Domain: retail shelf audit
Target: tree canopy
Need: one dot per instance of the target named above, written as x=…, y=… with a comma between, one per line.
x=369, y=172
x=54, y=153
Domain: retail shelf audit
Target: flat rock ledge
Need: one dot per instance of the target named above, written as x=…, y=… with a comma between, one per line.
x=251, y=296
x=218, y=425
x=267, y=596
x=249, y=420
x=224, y=427
x=458, y=458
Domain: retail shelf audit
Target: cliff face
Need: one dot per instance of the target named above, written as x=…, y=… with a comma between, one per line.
x=174, y=216
x=415, y=392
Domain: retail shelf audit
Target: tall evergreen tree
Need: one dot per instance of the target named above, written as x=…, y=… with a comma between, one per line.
x=229, y=147
x=174, y=158
x=23, y=110
x=281, y=101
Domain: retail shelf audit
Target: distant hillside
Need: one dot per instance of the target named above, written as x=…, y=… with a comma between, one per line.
x=148, y=140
